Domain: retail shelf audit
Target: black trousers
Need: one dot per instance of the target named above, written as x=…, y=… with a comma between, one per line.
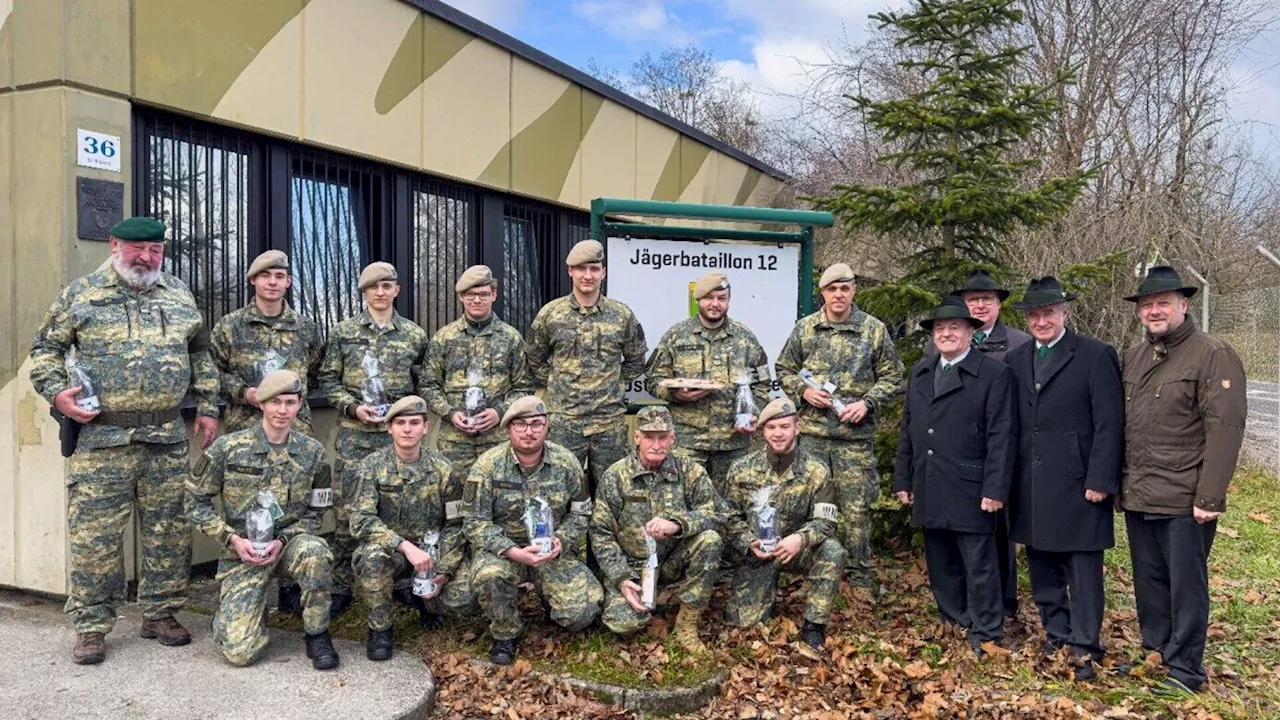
x=964, y=575
x=1007, y=556
x=1171, y=587
x=1067, y=587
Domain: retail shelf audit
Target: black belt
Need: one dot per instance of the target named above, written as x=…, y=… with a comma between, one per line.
x=137, y=419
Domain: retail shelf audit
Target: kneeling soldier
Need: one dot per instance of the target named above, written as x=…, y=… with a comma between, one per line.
x=669, y=498
x=274, y=468
x=405, y=493
x=779, y=499
x=507, y=483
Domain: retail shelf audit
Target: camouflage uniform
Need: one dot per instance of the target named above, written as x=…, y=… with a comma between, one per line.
x=860, y=359
x=493, y=506
x=804, y=496
x=398, y=347
x=145, y=350
x=495, y=351
x=630, y=496
x=241, y=338
x=237, y=466
x=705, y=429
x=397, y=501
x=586, y=357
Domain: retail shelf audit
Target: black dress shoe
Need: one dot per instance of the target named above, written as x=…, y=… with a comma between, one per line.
x=338, y=604
x=1084, y=672
x=1050, y=647
x=378, y=646
x=503, y=652
x=814, y=634
x=321, y=651
x=290, y=600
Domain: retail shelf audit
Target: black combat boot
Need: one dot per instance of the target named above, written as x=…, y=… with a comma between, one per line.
x=430, y=620
x=338, y=604
x=503, y=652
x=814, y=634
x=320, y=650
x=290, y=600
x=378, y=647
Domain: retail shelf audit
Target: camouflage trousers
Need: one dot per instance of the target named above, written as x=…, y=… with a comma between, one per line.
x=692, y=564
x=379, y=570
x=239, y=629
x=596, y=451
x=716, y=463
x=755, y=584
x=350, y=447
x=569, y=590
x=104, y=486
x=852, y=464
x=462, y=455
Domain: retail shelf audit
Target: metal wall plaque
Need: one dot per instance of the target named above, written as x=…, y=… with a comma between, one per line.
x=100, y=205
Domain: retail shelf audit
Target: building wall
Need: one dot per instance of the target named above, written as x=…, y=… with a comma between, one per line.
x=375, y=78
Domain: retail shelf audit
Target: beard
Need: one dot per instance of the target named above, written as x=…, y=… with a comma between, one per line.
x=710, y=321
x=137, y=278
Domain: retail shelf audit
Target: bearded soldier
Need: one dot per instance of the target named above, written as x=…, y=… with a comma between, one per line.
x=275, y=469
x=585, y=349
x=710, y=346
x=794, y=497
x=474, y=369
x=138, y=338
x=367, y=368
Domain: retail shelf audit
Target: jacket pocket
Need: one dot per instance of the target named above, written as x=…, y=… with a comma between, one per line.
x=971, y=473
x=1176, y=459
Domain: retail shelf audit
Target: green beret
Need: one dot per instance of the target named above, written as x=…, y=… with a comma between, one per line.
x=278, y=382
x=654, y=418
x=408, y=405
x=139, y=229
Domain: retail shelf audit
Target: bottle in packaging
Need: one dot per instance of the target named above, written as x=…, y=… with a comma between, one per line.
x=373, y=391
x=270, y=362
x=649, y=573
x=78, y=374
x=744, y=403
x=260, y=522
x=828, y=387
x=766, y=519
x=473, y=400
x=541, y=525
x=424, y=582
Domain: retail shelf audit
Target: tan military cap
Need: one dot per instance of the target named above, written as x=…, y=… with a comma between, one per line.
x=707, y=283
x=587, y=251
x=836, y=273
x=777, y=408
x=408, y=405
x=278, y=382
x=268, y=260
x=527, y=406
x=475, y=276
x=654, y=418
x=374, y=273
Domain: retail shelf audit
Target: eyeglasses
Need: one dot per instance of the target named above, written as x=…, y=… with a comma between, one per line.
x=984, y=300
x=476, y=296
x=523, y=425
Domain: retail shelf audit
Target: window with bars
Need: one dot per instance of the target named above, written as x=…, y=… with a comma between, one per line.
x=444, y=233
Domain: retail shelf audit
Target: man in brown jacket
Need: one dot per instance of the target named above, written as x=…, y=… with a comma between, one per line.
x=1184, y=421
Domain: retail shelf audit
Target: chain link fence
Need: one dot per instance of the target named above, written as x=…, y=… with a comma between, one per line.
x=1250, y=322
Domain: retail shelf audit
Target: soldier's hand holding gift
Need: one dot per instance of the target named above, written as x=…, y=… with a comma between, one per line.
x=366, y=414
x=484, y=421
x=662, y=528
x=244, y=549
x=688, y=395
x=855, y=412
x=817, y=398
x=631, y=592
x=251, y=397
x=420, y=559
x=529, y=555
x=65, y=402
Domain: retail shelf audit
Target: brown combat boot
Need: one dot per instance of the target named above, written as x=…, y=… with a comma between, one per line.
x=91, y=648
x=167, y=630
x=687, y=629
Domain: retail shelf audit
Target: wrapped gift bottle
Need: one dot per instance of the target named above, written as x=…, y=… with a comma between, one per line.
x=79, y=375
x=649, y=573
x=424, y=581
x=766, y=519
x=473, y=400
x=373, y=391
x=541, y=525
x=260, y=523
x=270, y=362
x=744, y=403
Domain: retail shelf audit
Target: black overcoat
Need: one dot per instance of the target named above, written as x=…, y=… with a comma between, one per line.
x=1072, y=440
x=957, y=447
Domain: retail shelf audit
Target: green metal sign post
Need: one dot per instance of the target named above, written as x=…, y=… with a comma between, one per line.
x=603, y=227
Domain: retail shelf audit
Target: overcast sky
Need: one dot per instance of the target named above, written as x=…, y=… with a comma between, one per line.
x=761, y=42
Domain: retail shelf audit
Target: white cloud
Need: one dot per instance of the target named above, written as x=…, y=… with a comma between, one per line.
x=502, y=14
x=633, y=20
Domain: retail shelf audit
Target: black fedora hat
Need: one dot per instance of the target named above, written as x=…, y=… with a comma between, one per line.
x=981, y=280
x=1159, y=279
x=951, y=307
x=1043, y=291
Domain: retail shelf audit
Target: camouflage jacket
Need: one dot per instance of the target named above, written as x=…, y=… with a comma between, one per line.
x=238, y=465
x=804, y=496
x=498, y=490
x=857, y=356
x=690, y=350
x=397, y=347
x=494, y=352
x=397, y=501
x=242, y=338
x=630, y=496
x=586, y=357
x=145, y=351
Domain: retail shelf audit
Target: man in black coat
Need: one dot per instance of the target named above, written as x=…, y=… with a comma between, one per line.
x=983, y=296
x=1071, y=411
x=955, y=465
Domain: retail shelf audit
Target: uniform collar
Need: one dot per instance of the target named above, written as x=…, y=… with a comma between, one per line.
x=851, y=323
x=666, y=471
x=726, y=328
x=573, y=303
x=366, y=318
x=1174, y=337
x=261, y=446
x=286, y=317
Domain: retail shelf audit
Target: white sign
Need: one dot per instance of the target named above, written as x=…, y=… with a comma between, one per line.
x=97, y=150
x=656, y=277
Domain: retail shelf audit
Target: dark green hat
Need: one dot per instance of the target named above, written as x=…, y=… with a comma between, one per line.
x=139, y=229
x=951, y=307
x=1159, y=279
x=1043, y=291
x=981, y=280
